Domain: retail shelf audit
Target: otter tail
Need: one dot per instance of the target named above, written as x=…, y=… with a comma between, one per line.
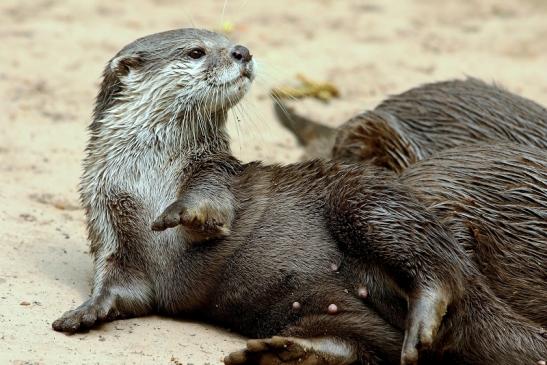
x=304, y=129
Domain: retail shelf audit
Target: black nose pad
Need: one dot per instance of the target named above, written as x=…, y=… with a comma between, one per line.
x=241, y=54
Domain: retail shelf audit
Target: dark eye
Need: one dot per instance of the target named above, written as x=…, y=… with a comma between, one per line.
x=196, y=53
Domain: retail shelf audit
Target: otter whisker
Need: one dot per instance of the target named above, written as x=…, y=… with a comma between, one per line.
x=234, y=114
x=255, y=118
x=223, y=11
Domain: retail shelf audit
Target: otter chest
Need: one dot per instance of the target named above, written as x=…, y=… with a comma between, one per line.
x=151, y=181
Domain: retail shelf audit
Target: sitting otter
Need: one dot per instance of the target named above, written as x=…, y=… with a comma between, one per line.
x=278, y=264
x=415, y=124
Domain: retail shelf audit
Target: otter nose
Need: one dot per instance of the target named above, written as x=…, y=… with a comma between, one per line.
x=241, y=54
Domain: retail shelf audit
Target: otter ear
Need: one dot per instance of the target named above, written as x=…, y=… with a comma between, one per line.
x=121, y=65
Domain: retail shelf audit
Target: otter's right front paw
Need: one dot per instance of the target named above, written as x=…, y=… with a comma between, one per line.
x=80, y=319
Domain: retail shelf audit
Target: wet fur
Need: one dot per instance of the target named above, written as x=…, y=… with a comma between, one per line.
x=282, y=241
x=277, y=268
x=493, y=199
x=411, y=126
x=496, y=206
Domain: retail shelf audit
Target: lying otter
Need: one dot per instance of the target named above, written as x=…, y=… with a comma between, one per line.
x=413, y=125
x=494, y=200
x=264, y=249
x=502, y=303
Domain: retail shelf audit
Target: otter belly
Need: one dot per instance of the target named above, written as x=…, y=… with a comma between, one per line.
x=287, y=258
x=282, y=254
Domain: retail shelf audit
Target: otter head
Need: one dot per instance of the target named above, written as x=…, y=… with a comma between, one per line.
x=191, y=75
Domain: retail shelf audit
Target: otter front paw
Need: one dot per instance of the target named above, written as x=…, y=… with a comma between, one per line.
x=284, y=351
x=424, y=317
x=201, y=223
x=171, y=217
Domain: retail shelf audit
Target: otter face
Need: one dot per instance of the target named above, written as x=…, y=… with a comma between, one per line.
x=184, y=72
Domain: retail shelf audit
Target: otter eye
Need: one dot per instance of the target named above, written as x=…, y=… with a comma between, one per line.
x=196, y=53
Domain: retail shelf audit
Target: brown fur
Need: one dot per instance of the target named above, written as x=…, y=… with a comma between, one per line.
x=413, y=125
x=290, y=225
x=481, y=327
x=496, y=206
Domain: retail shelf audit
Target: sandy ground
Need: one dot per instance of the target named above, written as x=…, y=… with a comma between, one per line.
x=52, y=55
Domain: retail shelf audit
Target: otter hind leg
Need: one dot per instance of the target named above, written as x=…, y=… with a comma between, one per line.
x=292, y=350
x=354, y=335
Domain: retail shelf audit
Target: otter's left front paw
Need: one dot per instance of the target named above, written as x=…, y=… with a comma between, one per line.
x=201, y=223
x=171, y=217
x=424, y=317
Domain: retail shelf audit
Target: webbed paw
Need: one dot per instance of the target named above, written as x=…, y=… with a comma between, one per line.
x=283, y=351
x=201, y=223
x=82, y=318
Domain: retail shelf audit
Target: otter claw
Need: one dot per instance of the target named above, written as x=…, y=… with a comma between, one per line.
x=166, y=220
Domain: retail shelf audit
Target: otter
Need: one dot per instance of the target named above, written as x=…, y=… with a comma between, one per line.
x=160, y=113
x=413, y=125
x=490, y=307
x=491, y=311
x=262, y=249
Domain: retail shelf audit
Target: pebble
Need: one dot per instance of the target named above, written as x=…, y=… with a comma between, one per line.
x=296, y=306
x=332, y=309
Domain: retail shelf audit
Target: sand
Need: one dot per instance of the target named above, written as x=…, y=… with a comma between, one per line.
x=53, y=53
